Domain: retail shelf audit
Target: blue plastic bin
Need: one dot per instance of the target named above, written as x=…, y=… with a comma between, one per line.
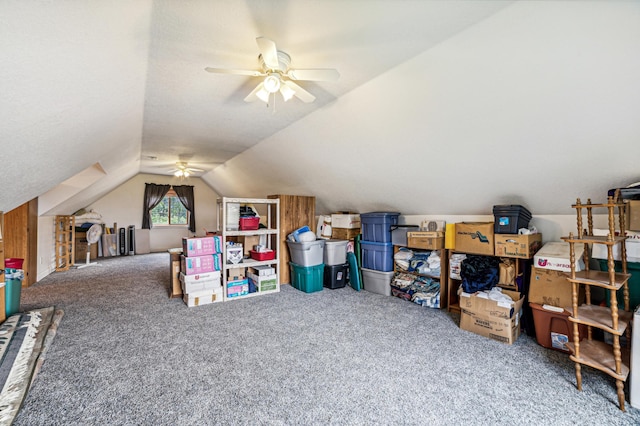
x=377, y=256
x=376, y=226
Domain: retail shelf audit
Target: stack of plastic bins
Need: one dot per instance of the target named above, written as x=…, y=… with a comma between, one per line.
x=377, y=250
x=307, y=267
x=336, y=267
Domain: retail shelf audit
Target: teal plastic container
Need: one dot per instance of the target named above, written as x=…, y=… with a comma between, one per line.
x=633, y=268
x=307, y=278
x=12, y=290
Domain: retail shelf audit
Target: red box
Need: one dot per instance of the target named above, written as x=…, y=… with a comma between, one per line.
x=263, y=255
x=249, y=223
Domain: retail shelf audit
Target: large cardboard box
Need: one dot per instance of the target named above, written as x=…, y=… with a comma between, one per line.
x=497, y=320
x=550, y=287
x=429, y=240
x=200, y=282
x=475, y=238
x=633, y=215
x=518, y=246
x=200, y=264
x=347, y=221
x=555, y=255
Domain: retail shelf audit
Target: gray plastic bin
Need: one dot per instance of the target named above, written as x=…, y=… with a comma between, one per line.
x=307, y=253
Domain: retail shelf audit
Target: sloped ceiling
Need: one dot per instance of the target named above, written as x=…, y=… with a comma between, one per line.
x=441, y=108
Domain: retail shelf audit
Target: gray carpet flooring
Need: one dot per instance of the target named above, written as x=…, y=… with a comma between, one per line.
x=125, y=353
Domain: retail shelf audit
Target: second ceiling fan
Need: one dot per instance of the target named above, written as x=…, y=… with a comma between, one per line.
x=278, y=76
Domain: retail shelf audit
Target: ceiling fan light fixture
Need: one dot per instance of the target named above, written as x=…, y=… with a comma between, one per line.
x=179, y=173
x=272, y=83
x=287, y=92
x=263, y=95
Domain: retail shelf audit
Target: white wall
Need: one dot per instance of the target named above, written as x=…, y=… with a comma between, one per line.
x=536, y=105
x=123, y=205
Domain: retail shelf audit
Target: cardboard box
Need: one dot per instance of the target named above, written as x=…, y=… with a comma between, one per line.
x=475, y=238
x=200, y=264
x=234, y=253
x=237, y=288
x=200, y=282
x=203, y=298
x=518, y=246
x=633, y=215
x=555, y=255
x=201, y=246
x=236, y=273
x=497, y=320
x=344, y=233
x=430, y=240
x=264, y=282
x=347, y=221
x=550, y=287
x=174, y=285
x=248, y=242
x=262, y=270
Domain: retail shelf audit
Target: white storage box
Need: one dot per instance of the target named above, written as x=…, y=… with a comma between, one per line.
x=335, y=252
x=200, y=282
x=348, y=221
x=632, y=244
x=377, y=281
x=203, y=297
x=262, y=270
x=555, y=256
x=307, y=253
x=235, y=253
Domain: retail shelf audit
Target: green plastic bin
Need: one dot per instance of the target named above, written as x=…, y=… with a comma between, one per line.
x=307, y=278
x=12, y=290
x=633, y=268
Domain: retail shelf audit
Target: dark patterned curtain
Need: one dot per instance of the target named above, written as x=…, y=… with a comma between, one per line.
x=185, y=195
x=153, y=194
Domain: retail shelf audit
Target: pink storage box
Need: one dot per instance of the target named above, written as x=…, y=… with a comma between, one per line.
x=190, y=265
x=200, y=246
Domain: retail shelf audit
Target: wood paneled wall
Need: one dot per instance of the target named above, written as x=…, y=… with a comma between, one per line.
x=21, y=238
x=295, y=211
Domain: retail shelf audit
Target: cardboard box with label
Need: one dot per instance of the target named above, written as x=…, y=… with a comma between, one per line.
x=549, y=287
x=346, y=221
x=518, y=246
x=497, y=320
x=475, y=238
x=555, y=255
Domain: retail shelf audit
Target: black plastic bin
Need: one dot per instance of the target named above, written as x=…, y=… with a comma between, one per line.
x=509, y=218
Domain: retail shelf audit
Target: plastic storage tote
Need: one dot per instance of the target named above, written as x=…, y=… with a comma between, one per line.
x=399, y=234
x=335, y=252
x=376, y=226
x=378, y=256
x=633, y=268
x=553, y=328
x=335, y=276
x=377, y=281
x=509, y=218
x=307, y=278
x=307, y=253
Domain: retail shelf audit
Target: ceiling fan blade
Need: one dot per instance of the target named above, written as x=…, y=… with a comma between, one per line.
x=318, y=74
x=302, y=94
x=269, y=52
x=252, y=73
x=193, y=169
x=251, y=97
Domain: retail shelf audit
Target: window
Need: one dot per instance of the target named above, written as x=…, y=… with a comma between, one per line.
x=170, y=211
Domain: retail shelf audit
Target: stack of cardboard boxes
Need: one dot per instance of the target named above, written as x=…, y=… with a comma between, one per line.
x=200, y=265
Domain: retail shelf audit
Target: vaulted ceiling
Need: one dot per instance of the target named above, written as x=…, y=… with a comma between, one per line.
x=441, y=106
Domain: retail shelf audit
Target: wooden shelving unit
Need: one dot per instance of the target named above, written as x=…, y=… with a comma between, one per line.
x=444, y=271
x=611, y=359
x=65, y=246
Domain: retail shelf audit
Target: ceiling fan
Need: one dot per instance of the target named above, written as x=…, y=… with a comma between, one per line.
x=183, y=170
x=278, y=76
